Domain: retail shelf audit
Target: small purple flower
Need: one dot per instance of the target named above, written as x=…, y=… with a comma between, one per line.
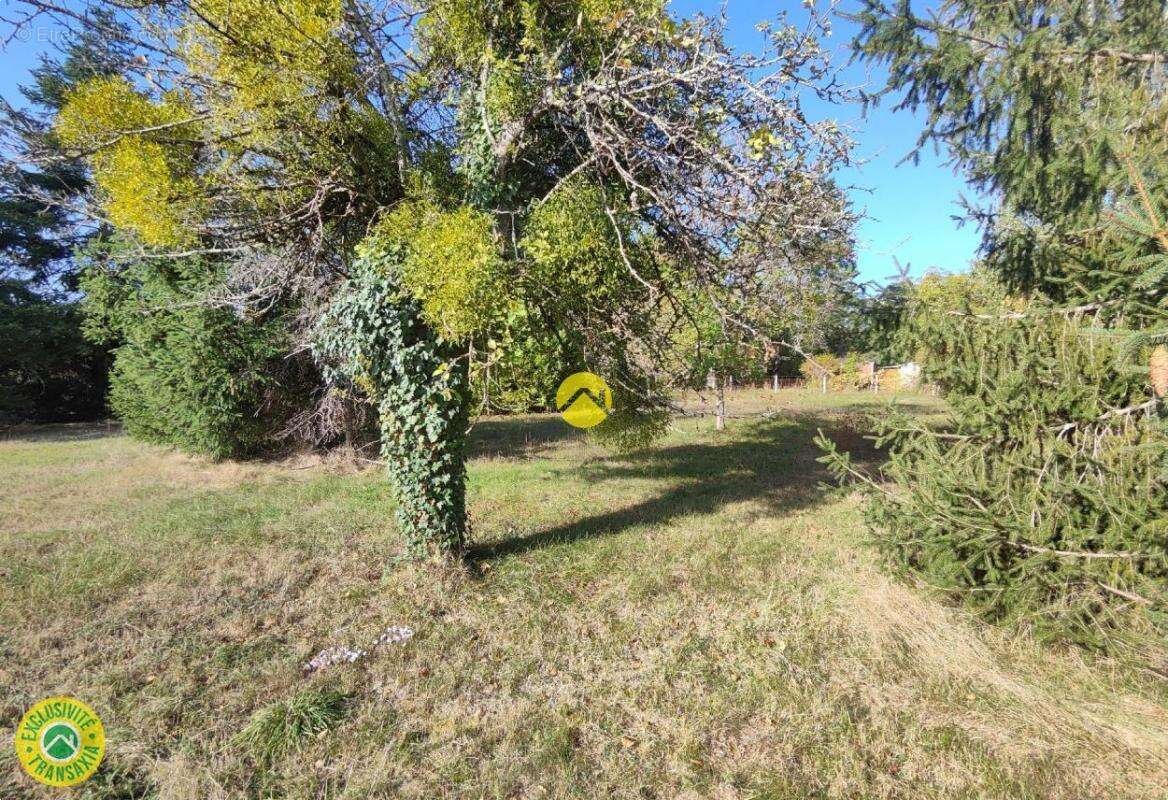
x=331, y=656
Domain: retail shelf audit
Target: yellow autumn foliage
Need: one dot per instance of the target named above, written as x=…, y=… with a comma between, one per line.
x=277, y=73
x=449, y=262
x=141, y=192
x=276, y=59
x=461, y=30
x=101, y=108
x=145, y=186
x=571, y=248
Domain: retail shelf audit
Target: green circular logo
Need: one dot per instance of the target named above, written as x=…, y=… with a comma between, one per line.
x=60, y=741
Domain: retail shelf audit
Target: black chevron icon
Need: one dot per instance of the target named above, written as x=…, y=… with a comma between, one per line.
x=599, y=400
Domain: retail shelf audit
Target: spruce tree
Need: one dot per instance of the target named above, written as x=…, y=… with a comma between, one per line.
x=1044, y=501
x=50, y=373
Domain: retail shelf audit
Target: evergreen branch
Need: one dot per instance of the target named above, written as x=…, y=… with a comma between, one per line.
x=1137, y=179
x=1031, y=548
x=1135, y=598
x=841, y=465
x=1112, y=414
x=1122, y=55
x=1123, y=412
x=1068, y=310
x=1063, y=56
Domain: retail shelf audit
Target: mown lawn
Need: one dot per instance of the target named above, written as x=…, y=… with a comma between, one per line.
x=699, y=620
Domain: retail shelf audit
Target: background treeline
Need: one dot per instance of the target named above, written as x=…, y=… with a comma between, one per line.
x=49, y=371
x=101, y=327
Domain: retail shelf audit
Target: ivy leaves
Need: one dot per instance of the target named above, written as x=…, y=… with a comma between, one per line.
x=376, y=335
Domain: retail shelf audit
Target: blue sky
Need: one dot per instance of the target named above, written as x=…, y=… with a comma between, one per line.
x=908, y=208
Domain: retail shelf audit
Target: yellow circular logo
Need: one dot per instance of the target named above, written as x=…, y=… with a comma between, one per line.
x=60, y=741
x=584, y=400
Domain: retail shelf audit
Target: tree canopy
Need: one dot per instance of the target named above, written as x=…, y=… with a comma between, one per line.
x=600, y=177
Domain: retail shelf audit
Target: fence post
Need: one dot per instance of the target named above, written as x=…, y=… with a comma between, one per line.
x=1158, y=370
x=823, y=383
x=720, y=418
x=775, y=386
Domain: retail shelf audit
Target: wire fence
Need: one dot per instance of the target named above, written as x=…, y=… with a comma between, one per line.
x=891, y=378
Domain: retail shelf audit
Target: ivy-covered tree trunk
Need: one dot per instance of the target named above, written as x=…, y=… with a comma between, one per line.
x=374, y=336
x=423, y=416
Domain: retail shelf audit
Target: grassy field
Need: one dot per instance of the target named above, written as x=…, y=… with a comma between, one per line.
x=700, y=620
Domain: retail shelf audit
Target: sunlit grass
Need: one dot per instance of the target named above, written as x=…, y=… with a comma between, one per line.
x=698, y=620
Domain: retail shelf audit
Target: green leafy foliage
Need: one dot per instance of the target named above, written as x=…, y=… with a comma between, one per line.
x=875, y=324
x=198, y=377
x=573, y=261
x=462, y=31
x=523, y=363
x=449, y=262
x=711, y=351
x=626, y=430
x=375, y=335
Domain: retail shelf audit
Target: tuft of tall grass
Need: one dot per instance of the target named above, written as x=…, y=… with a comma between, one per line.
x=285, y=726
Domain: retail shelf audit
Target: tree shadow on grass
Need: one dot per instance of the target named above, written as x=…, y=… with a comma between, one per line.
x=523, y=436
x=769, y=461
x=60, y=431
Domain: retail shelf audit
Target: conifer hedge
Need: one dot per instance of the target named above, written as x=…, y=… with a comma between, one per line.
x=203, y=378
x=1044, y=500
